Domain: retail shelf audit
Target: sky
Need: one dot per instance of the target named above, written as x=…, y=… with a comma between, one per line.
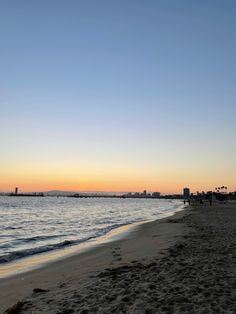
x=117, y=95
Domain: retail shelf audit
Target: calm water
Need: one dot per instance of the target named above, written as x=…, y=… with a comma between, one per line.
x=40, y=224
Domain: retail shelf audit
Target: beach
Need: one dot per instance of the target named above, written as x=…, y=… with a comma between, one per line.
x=182, y=264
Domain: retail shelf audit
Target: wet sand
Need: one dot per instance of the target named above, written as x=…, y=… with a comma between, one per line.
x=182, y=264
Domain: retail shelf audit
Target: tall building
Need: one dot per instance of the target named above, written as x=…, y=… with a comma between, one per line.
x=186, y=193
x=156, y=194
x=16, y=190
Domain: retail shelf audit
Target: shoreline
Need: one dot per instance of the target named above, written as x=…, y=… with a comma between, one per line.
x=39, y=260
x=185, y=263
x=94, y=260
x=181, y=264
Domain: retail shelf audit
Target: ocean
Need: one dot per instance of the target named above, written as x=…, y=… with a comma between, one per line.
x=33, y=225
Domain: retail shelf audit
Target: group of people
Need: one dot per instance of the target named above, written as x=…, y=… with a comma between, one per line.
x=199, y=200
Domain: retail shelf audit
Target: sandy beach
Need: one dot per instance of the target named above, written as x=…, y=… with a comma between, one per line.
x=182, y=264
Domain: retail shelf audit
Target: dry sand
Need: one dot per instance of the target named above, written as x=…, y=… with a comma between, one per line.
x=183, y=264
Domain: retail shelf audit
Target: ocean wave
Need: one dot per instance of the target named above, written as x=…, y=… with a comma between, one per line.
x=10, y=257
x=38, y=238
x=15, y=255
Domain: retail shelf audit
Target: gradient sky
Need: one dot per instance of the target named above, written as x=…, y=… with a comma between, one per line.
x=117, y=95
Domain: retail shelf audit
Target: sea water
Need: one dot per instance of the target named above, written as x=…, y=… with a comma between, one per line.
x=32, y=225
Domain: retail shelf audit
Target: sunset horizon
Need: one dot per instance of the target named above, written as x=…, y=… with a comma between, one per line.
x=108, y=189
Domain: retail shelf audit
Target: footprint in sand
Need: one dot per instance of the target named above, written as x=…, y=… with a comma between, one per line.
x=117, y=254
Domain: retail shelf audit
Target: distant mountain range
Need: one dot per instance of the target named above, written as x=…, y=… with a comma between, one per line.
x=58, y=192
x=66, y=193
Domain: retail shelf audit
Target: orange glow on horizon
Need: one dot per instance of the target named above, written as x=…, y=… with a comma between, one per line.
x=106, y=186
x=31, y=178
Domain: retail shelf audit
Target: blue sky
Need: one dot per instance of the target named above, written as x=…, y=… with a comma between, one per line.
x=124, y=89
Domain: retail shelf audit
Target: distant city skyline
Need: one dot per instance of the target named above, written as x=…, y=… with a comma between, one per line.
x=186, y=192
x=117, y=95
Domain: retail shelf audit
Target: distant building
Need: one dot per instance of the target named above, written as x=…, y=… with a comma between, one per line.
x=156, y=194
x=16, y=190
x=144, y=194
x=186, y=193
